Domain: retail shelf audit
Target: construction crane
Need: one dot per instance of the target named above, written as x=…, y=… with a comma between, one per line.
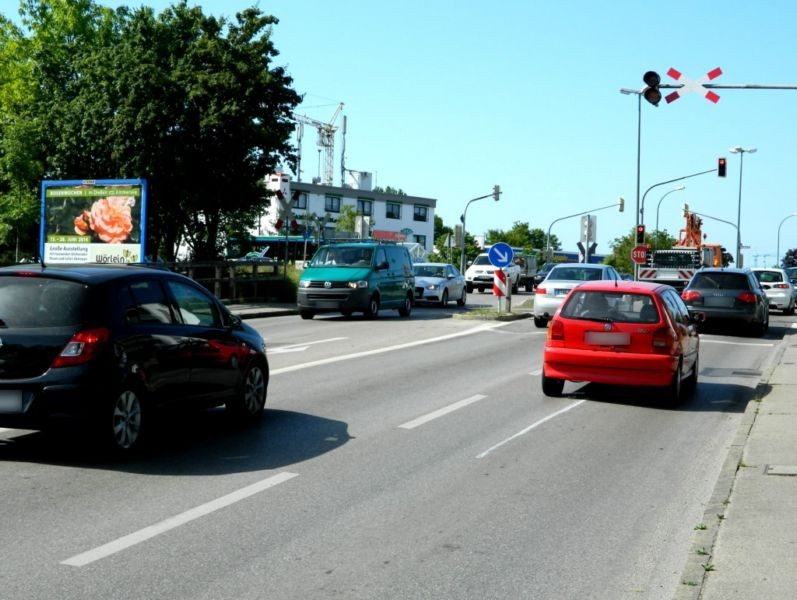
x=326, y=140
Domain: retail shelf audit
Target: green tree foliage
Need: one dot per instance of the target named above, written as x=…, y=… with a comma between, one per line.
x=620, y=258
x=390, y=190
x=522, y=236
x=189, y=102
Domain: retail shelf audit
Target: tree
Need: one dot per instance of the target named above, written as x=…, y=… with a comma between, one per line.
x=522, y=236
x=389, y=190
x=189, y=102
x=620, y=258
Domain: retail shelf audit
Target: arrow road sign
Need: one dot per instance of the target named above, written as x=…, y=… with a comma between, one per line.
x=500, y=255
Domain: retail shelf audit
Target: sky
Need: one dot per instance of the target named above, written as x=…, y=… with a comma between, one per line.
x=445, y=99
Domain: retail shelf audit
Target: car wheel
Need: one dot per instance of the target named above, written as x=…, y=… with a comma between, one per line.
x=469, y=287
x=373, y=307
x=250, y=400
x=481, y=290
x=789, y=310
x=552, y=387
x=540, y=322
x=444, y=298
x=674, y=392
x=306, y=314
x=691, y=381
x=127, y=423
x=405, y=310
x=461, y=301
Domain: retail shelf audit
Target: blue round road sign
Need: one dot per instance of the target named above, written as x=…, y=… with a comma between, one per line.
x=500, y=255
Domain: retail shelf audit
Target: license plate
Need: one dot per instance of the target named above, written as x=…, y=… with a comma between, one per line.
x=607, y=338
x=561, y=292
x=10, y=401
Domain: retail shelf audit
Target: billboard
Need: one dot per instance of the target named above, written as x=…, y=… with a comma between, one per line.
x=93, y=221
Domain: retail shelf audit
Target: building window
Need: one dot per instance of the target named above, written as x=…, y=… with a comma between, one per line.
x=365, y=207
x=420, y=239
x=301, y=201
x=332, y=204
x=393, y=210
x=421, y=213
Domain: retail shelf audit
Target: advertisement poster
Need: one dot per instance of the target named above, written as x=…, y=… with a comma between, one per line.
x=90, y=221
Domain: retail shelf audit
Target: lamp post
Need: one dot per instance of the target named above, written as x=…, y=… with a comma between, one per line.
x=495, y=195
x=620, y=203
x=639, y=94
x=741, y=152
x=777, y=256
x=678, y=189
x=721, y=221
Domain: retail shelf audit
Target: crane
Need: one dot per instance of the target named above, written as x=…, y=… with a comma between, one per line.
x=326, y=140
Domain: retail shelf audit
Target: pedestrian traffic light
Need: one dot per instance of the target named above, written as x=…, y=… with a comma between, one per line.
x=496, y=192
x=640, y=234
x=652, y=93
x=721, y=167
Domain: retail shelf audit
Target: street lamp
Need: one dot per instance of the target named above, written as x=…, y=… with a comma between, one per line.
x=777, y=256
x=741, y=152
x=548, y=251
x=494, y=195
x=678, y=189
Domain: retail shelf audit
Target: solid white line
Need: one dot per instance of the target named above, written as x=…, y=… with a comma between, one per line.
x=334, y=359
x=141, y=535
x=762, y=344
x=443, y=411
x=530, y=427
x=335, y=339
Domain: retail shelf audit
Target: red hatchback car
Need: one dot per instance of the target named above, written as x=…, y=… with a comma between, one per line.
x=623, y=333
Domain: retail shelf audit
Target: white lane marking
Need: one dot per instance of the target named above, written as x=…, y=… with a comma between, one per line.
x=3, y=429
x=530, y=427
x=761, y=344
x=334, y=359
x=535, y=373
x=440, y=412
x=302, y=347
x=142, y=535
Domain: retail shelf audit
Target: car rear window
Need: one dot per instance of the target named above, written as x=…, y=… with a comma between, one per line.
x=41, y=302
x=614, y=306
x=769, y=276
x=574, y=274
x=720, y=281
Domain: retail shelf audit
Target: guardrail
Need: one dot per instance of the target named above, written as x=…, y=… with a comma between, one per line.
x=238, y=280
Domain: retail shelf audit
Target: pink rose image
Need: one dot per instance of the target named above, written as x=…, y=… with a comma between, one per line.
x=83, y=223
x=111, y=219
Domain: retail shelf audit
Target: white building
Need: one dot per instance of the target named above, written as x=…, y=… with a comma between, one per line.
x=315, y=206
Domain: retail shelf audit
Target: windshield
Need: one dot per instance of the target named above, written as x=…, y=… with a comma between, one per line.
x=430, y=270
x=342, y=256
x=482, y=259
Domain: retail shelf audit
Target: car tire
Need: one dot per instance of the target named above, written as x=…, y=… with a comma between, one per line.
x=469, y=287
x=126, y=422
x=540, y=322
x=444, y=299
x=481, y=290
x=691, y=381
x=306, y=314
x=372, y=311
x=405, y=310
x=250, y=400
x=674, y=392
x=552, y=387
x=463, y=299
x=790, y=310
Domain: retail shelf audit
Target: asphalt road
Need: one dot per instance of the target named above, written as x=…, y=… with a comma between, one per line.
x=398, y=458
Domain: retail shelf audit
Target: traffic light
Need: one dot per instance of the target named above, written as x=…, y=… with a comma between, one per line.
x=496, y=192
x=621, y=204
x=640, y=234
x=721, y=167
x=652, y=93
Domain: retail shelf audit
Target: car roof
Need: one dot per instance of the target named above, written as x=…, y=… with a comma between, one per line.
x=724, y=270
x=86, y=273
x=578, y=264
x=624, y=286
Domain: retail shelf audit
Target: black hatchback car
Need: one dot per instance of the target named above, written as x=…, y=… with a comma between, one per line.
x=112, y=344
x=729, y=296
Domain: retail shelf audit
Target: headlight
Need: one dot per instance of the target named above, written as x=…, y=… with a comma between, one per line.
x=432, y=286
x=362, y=283
x=304, y=283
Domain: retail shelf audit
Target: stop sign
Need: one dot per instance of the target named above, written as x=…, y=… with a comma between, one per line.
x=639, y=254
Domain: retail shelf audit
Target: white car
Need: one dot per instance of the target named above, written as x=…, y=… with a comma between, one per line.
x=439, y=283
x=778, y=288
x=561, y=279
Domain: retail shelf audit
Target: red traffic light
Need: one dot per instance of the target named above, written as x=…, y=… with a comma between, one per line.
x=640, y=234
x=721, y=167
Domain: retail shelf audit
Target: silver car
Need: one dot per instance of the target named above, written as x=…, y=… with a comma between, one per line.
x=439, y=283
x=778, y=288
x=560, y=280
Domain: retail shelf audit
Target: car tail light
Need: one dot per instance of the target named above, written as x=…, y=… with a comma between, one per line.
x=663, y=339
x=83, y=346
x=781, y=286
x=747, y=298
x=689, y=295
x=556, y=330
x=540, y=290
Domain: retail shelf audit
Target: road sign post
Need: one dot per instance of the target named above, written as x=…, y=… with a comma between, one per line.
x=501, y=255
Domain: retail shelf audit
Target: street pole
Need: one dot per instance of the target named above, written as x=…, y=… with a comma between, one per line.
x=495, y=195
x=548, y=251
x=741, y=152
x=678, y=189
x=777, y=256
x=638, y=93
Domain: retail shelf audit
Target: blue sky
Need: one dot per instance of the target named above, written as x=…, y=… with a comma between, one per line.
x=446, y=98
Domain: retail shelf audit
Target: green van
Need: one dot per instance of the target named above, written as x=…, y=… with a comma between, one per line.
x=357, y=277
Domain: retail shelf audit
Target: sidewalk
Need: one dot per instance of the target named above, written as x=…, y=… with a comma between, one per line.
x=749, y=548
x=258, y=310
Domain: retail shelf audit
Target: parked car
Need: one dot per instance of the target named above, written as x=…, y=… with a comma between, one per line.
x=562, y=278
x=112, y=344
x=778, y=288
x=623, y=333
x=439, y=283
x=357, y=276
x=729, y=296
